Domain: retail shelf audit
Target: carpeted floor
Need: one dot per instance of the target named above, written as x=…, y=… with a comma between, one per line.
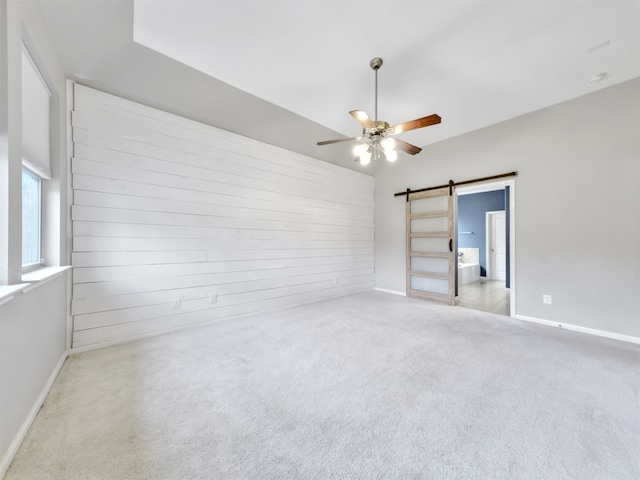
x=369, y=386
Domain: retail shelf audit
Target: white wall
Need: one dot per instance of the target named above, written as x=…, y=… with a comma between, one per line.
x=32, y=324
x=577, y=206
x=169, y=209
x=32, y=345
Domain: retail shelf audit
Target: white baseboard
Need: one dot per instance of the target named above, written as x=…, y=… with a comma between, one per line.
x=578, y=328
x=134, y=338
x=394, y=292
x=26, y=425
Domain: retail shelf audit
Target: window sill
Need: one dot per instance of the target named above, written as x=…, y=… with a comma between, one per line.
x=44, y=274
x=31, y=281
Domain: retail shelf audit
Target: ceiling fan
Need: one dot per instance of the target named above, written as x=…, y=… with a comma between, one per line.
x=376, y=140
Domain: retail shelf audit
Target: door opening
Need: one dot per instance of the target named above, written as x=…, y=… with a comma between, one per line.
x=485, y=226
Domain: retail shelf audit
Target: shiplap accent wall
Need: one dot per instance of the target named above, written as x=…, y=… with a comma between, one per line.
x=176, y=223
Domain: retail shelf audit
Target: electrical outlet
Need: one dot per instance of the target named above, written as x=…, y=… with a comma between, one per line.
x=213, y=298
x=177, y=303
x=546, y=299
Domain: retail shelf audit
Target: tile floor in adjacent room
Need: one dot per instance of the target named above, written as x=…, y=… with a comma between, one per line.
x=485, y=295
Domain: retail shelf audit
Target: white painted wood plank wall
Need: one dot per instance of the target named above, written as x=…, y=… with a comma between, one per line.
x=169, y=212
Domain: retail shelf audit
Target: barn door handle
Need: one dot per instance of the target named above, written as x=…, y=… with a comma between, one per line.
x=451, y=244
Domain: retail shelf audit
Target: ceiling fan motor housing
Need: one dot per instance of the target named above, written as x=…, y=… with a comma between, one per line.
x=381, y=129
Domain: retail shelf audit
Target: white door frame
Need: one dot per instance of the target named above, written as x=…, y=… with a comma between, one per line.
x=500, y=185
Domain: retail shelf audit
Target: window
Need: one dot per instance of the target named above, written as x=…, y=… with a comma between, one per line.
x=31, y=208
x=36, y=160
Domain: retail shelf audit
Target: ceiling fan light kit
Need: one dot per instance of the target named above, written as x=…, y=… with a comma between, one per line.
x=377, y=142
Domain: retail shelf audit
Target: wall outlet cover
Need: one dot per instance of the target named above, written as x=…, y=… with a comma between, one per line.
x=546, y=299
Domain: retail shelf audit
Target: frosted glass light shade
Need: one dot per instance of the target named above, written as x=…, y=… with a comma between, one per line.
x=388, y=144
x=360, y=149
x=391, y=155
x=365, y=158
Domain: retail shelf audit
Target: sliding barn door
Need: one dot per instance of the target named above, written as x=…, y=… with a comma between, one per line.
x=430, y=245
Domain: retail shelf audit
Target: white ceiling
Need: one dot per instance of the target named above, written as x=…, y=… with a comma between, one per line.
x=288, y=72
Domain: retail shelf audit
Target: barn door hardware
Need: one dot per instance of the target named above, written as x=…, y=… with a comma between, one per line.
x=452, y=184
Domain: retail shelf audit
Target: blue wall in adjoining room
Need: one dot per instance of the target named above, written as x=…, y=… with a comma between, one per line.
x=472, y=211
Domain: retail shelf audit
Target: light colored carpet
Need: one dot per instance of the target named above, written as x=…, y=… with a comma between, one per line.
x=361, y=387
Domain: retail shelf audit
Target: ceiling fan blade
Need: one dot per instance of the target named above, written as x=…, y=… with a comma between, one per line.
x=338, y=140
x=362, y=118
x=407, y=147
x=418, y=123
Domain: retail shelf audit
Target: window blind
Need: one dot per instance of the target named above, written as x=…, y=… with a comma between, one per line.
x=36, y=98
